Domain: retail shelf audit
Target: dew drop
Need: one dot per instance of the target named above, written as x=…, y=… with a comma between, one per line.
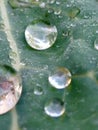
x=42, y=5
x=38, y=90
x=60, y=79
x=12, y=54
x=51, y=1
x=74, y=12
x=50, y=10
x=96, y=44
x=10, y=89
x=96, y=31
x=58, y=2
x=40, y=36
x=57, y=12
x=54, y=108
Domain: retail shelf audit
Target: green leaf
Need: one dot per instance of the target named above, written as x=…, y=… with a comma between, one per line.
x=77, y=26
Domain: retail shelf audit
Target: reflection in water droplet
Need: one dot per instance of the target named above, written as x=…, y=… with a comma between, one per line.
x=10, y=89
x=96, y=44
x=60, y=79
x=38, y=90
x=54, y=108
x=40, y=36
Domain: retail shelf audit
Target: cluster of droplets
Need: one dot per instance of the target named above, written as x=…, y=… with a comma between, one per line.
x=60, y=79
x=41, y=36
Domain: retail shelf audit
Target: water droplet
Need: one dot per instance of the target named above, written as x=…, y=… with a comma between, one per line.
x=60, y=16
x=60, y=79
x=38, y=90
x=22, y=64
x=22, y=3
x=96, y=44
x=42, y=5
x=73, y=12
x=51, y=1
x=40, y=36
x=10, y=89
x=22, y=0
x=54, y=108
x=58, y=2
x=1, y=26
x=50, y=10
x=57, y=12
x=12, y=54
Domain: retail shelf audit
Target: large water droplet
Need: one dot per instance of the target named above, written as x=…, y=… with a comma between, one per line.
x=54, y=108
x=96, y=44
x=40, y=36
x=60, y=79
x=10, y=89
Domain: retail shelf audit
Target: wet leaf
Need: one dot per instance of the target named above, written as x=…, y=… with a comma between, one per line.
x=77, y=25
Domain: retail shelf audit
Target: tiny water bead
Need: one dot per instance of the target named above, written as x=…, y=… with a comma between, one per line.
x=51, y=1
x=40, y=35
x=96, y=44
x=60, y=79
x=38, y=90
x=57, y=12
x=54, y=108
x=10, y=89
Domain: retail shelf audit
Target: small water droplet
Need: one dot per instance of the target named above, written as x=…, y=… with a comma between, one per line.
x=96, y=44
x=97, y=31
x=10, y=89
x=58, y=2
x=42, y=5
x=73, y=12
x=40, y=35
x=12, y=54
x=50, y=10
x=22, y=64
x=60, y=16
x=54, y=108
x=51, y=1
x=38, y=90
x=57, y=12
x=60, y=79
x=1, y=26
